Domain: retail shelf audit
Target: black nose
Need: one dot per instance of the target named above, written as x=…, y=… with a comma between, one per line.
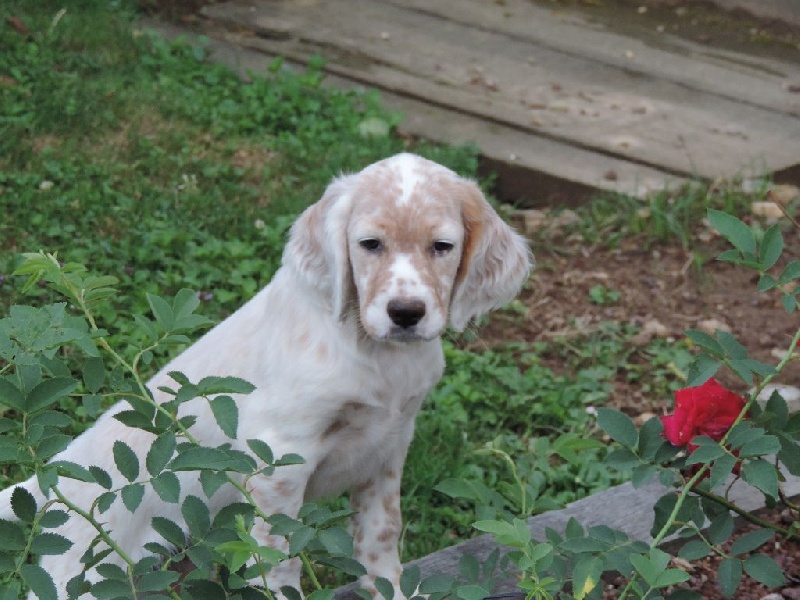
x=406, y=313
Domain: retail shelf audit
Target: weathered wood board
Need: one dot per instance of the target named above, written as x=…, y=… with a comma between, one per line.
x=546, y=93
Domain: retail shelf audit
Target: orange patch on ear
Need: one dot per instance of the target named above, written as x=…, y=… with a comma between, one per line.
x=472, y=215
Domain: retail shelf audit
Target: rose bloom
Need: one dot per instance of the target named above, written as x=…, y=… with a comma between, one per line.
x=708, y=409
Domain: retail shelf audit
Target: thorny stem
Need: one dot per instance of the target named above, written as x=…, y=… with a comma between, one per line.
x=106, y=538
x=747, y=516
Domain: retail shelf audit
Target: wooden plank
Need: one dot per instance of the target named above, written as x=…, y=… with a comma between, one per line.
x=544, y=92
x=530, y=171
x=758, y=81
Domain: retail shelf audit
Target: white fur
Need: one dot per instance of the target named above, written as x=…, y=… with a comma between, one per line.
x=335, y=381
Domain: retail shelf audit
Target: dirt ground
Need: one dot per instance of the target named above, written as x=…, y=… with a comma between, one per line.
x=662, y=290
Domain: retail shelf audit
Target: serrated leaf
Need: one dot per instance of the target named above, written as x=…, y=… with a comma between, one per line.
x=409, y=581
x=226, y=414
x=48, y=392
x=764, y=569
x=23, y=504
x=10, y=395
x=764, y=445
x=39, y=581
x=169, y=530
x=731, y=346
x=126, y=460
x=721, y=528
x=94, y=374
x=790, y=271
x=729, y=575
x=53, y=518
x=384, y=587
x=156, y=580
x=762, y=475
x=789, y=302
x=50, y=543
x=261, y=449
x=167, y=486
x=771, y=247
x=101, y=477
x=586, y=576
x=694, y=550
x=619, y=426
x=12, y=535
x=336, y=541
x=766, y=282
x=132, y=495
x=209, y=386
x=437, y=583
x=701, y=370
x=734, y=230
x=751, y=540
x=196, y=514
x=160, y=453
x=198, y=457
x=707, y=342
x=162, y=311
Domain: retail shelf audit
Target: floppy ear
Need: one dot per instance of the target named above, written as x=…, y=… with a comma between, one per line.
x=317, y=248
x=495, y=261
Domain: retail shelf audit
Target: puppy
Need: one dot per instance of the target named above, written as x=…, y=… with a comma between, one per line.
x=342, y=347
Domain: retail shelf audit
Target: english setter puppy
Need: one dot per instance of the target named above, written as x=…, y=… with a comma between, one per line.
x=342, y=346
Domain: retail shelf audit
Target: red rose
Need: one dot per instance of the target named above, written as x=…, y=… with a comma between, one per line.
x=708, y=409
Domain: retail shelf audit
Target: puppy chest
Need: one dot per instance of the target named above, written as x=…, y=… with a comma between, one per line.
x=361, y=440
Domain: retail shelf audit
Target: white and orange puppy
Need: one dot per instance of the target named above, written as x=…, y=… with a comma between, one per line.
x=342, y=346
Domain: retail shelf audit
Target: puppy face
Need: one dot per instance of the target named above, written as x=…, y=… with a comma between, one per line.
x=405, y=242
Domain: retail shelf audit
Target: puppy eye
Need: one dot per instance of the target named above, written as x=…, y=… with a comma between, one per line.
x=371, y=244
x=442, y=247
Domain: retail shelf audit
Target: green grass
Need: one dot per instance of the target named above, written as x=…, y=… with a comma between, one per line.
x=142, y=160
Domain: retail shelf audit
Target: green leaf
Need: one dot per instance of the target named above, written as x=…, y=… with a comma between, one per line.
x=167, y=486
x=50, y=543
x=764, y=445
x=766, y=282
x=160, y=453
x=771, y=247
x=197, y=457
x=707, y=451
x=762, y=475
x=226, y=414
x=619, y=426
x=48, y=392
x=729, y=575
x=701, y=370
x=53, y=518
x=169, y=530
x=671, y=577
x=94, y=374
x=789, y=302
x=101, y=477
x=132, y=495
x=162, y=311
x=384, y=587
x=261, y=449
x=126, y=460
x=437, y=583
x=586, y=576
x=471, y=592
x=336, y=541
x=156, y=580
x=751, y=540
x=694, y=550
x=23, y=504
x=10, y=395
x=734, y=230
x=721, y=528
x=12, y=536
x=39, y=581
x=209, y=386
x=764, y=569
x=196, y=514
x=731, y=346
x=705, y=341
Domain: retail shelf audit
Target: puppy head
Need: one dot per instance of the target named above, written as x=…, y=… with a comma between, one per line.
x=411, y=245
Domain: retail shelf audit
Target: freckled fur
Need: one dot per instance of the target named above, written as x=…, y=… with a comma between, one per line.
x=335, y=380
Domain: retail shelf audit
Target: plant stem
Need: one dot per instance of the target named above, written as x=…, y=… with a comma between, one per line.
x=742, y=512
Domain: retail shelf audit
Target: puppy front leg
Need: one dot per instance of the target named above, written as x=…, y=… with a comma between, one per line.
x=279, y=493
x=377, y=526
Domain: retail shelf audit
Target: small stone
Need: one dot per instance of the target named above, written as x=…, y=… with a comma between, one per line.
x=768, y=210
x=710, y=326
x=784, y=194
x=791, y=593
x=772, y=596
